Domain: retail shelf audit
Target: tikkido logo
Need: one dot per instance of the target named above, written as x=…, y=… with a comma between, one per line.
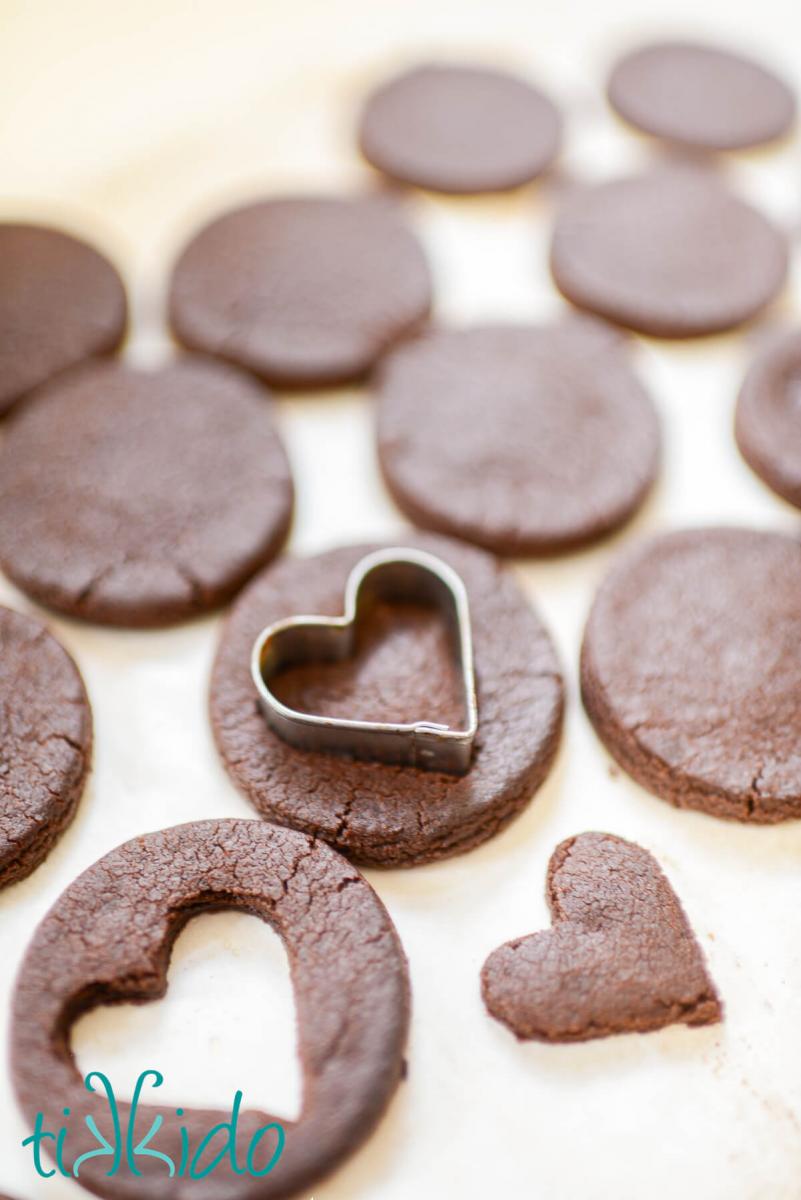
x=127, y=1153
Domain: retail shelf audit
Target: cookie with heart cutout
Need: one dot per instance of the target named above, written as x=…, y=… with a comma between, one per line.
x=108, y=939
x=381, y=814
x=620, y=957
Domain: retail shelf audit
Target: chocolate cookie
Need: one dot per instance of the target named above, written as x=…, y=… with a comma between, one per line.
x=46, y=739
x=523, y=439
x=670, y=253
x=108, y=939
x=621, y=956
x=691, y=675
x=374, y=812
x=768, y=421
x=60, y=302
x=140, y=498
x=700, y=95
x=456, y=128
x=304, y=292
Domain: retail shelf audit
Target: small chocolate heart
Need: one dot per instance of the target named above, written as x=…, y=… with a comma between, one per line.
x=621, y=956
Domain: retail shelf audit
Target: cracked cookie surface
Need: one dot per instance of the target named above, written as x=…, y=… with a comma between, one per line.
x=108, y=939
x=690, y=670
x=46, y=738
x=132, y=497
x=376, y=813
x=620, y=958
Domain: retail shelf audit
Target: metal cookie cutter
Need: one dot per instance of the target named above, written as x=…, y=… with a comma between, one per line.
x=392, y=575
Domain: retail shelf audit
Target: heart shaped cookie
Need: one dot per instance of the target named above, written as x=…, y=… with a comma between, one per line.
x=621, y=956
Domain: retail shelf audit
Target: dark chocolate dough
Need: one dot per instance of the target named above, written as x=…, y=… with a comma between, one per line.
x=108, y=939
x=303, y=291
x=60, y=302
x=455, y=128
x=140, y=498
x=768, y=422
x=691, y=675
x=670, y=253
x=46, y=741
x=522, y=439
x=376, y=813
x=700, y=95
x=620, y=958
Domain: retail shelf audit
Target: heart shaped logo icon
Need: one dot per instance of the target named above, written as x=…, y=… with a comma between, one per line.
x=621, y=955
x=399, y=575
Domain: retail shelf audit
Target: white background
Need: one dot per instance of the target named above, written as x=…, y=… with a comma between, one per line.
x=131, y=122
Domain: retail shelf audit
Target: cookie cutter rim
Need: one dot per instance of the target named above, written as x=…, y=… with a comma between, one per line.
x=397, y=573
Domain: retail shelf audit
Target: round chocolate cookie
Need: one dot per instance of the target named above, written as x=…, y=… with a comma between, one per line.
x=669, y=253
x=139, y=498
x=458, y=129
x=701, y=96
x=523, y=439
x=108, y=939
x=304, y=292
x=768, y=421
x=46, y=739
x=376, y=813
x=691, y=675
x=60, y=302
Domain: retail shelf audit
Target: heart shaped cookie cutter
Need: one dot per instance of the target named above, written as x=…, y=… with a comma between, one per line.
x=398, y=575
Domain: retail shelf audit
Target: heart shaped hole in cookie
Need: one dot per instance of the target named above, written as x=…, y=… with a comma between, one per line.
x=619, y=957
x=228, y=1011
